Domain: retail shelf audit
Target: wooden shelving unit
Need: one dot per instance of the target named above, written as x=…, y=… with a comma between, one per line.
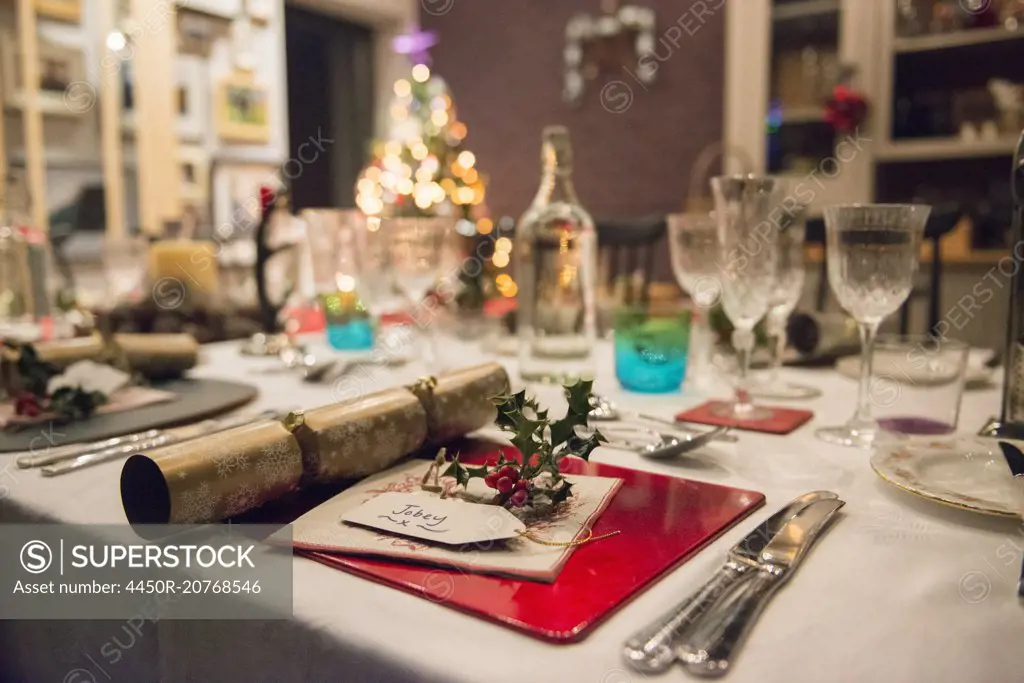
x=946, y=41
x=804, y=9
x=942, y=149
x=802, y=115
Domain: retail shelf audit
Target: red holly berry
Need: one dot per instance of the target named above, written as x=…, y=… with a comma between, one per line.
x=27, y=404
x=505, y=484
x=534, y=460
x=510, y=472
x=519, y=498
x=491, y=479
x=522, y=485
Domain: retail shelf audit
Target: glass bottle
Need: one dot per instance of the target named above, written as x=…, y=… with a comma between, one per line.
x=555, y=269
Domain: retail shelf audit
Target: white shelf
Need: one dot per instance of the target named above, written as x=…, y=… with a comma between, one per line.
x=939, y=149
x=803, y=9
x=798, y=115
x=945, y=41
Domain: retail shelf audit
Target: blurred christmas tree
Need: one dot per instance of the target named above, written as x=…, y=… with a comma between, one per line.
x=423, y=169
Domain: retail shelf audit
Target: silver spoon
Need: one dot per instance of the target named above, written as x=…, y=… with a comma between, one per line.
x=674, y=446
x=604, y=410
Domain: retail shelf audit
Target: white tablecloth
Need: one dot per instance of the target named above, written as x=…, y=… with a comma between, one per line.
x=899, y=590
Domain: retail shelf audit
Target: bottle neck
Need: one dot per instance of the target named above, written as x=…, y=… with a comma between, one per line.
x=555, y=184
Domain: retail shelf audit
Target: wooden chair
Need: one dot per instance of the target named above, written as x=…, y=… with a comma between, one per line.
x=630, y=246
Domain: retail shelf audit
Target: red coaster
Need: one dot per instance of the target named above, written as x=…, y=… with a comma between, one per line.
x=782, y=421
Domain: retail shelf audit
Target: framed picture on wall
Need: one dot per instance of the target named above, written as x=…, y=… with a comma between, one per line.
x=191, y=99
x=61, y=10
x=242, y=110
x=236, y=197
x=60, y=68
x=195, y=174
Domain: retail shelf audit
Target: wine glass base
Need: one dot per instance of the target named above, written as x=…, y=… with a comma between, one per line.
x=741, y=412
x=857, y=436
x=784, y=391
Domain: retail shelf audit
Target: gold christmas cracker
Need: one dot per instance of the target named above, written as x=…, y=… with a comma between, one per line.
x=211, y=478
x=361, y=436
x=461, y=402
x=156, y=356
x=64, y=352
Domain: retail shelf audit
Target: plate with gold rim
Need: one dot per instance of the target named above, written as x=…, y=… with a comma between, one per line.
x=965, y=472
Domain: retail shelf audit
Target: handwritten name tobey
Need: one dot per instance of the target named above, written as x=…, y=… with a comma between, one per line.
x=415, y=513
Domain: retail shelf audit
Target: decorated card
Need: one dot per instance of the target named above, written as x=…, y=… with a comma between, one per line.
x=538, y=552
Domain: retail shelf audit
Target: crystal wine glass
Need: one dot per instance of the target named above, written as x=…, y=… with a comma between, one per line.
x=415, y=249
x=693, y=245
x=746, y=207
x=872, y=257
x=789, y=285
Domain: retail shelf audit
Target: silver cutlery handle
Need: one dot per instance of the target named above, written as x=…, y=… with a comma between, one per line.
x=710, y=650
x=652, y=650
x=107, y=455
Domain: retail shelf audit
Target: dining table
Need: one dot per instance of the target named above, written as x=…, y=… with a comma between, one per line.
x=899, y=589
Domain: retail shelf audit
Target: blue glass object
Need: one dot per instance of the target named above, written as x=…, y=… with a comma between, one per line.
x=349, y=327
x=650, y=352
x=353, y=336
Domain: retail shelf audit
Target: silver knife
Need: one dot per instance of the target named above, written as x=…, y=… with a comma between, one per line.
x=710, y=648
x=165, y=438
x=52, y=455
x=1015, y=460
x=652, y=650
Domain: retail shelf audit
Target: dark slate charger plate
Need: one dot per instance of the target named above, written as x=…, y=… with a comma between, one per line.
x=196, y=399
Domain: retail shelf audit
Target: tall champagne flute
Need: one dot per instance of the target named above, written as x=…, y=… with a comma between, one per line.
x=872, y=257
x=789, y=285
x=415, y=249
x=693, y=245
x=748, y=209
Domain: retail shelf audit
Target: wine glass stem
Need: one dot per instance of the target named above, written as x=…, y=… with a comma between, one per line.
x=868, y=332
x=702, y=341
x=777, y=333
x=743, y=341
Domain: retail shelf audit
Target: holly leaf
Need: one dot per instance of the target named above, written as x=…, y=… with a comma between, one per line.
x=578, y=396
x=561, y=494
x=457, y=472
x=462, y=474
x=581, y=447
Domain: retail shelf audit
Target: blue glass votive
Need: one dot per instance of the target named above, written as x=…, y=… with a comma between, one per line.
x=349, y=327
x=650, y=349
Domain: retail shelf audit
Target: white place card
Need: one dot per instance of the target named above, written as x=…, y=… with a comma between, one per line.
x=435, y=519
x=334, y=526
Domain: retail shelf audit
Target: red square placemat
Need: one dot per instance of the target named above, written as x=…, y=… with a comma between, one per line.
x=782, y=421
x=662, y=521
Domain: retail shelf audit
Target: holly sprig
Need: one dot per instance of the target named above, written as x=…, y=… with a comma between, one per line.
x=543, y=443
x=34, y=374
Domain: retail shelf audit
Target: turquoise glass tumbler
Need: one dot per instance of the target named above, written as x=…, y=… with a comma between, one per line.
x=349, y=327
x=651, y=349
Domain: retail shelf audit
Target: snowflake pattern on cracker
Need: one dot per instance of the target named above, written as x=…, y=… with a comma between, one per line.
x=244, y=498
x=275, y=464
x=230, y=463
x=198, y=504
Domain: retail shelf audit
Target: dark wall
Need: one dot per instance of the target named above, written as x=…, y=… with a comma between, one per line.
x=503, y=60
x=330, y=98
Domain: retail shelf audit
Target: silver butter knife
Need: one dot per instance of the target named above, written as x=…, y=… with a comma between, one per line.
x=709, y=650
x=166, y=438
x=652, y=650
x=52, y=455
